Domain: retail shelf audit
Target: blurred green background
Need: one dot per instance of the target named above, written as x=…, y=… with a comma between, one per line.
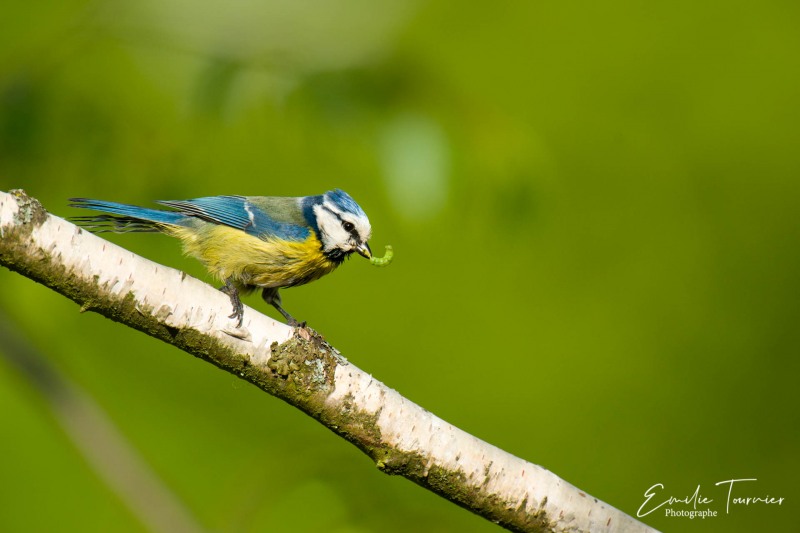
x=594, y=209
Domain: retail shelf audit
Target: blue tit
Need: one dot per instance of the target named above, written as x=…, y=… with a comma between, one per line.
x=250, y=242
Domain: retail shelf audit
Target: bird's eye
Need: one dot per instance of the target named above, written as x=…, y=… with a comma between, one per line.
x=348, y=226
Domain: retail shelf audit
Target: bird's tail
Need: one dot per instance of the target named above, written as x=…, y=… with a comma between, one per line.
x=124, y=218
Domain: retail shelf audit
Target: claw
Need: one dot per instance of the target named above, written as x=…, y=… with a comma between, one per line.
x=236, y=302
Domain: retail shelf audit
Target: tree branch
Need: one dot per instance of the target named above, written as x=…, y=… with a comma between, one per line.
x=299, y=367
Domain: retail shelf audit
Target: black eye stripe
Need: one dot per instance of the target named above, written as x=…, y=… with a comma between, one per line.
x=353, y=231
x=332, y=212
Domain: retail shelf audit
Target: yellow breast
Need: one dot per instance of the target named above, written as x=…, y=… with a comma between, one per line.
x=229, y=253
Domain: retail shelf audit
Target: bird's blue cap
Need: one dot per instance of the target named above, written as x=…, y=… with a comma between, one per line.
x=345, y=202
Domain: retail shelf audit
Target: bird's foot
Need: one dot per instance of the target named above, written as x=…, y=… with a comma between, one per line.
x=236, y=302
x=295, y=324
x=238, y=313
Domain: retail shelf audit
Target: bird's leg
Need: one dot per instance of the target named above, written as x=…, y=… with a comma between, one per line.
x=271, y=296
x=236, y=302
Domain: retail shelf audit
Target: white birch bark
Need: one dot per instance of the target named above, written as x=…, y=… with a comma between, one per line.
x=299, y=367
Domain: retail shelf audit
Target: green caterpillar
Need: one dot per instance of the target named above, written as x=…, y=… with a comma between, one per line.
x=385, y=260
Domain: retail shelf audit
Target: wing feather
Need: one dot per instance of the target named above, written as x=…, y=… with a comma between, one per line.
x=244, y=213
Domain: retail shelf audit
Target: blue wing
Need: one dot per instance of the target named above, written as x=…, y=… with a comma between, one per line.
x=240, y=213
x=124, y=217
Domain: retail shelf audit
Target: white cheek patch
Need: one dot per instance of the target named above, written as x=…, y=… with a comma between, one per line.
x=332, y=235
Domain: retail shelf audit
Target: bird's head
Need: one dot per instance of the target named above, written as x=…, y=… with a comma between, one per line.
x=343, y=226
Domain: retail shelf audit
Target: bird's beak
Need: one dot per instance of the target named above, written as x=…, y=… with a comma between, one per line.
x=364, y=251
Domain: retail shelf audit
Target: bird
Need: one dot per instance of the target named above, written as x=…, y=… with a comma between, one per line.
x=250, y=242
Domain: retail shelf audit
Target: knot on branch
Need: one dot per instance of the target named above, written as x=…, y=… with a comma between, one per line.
x=31, y=212
x=306, y=363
